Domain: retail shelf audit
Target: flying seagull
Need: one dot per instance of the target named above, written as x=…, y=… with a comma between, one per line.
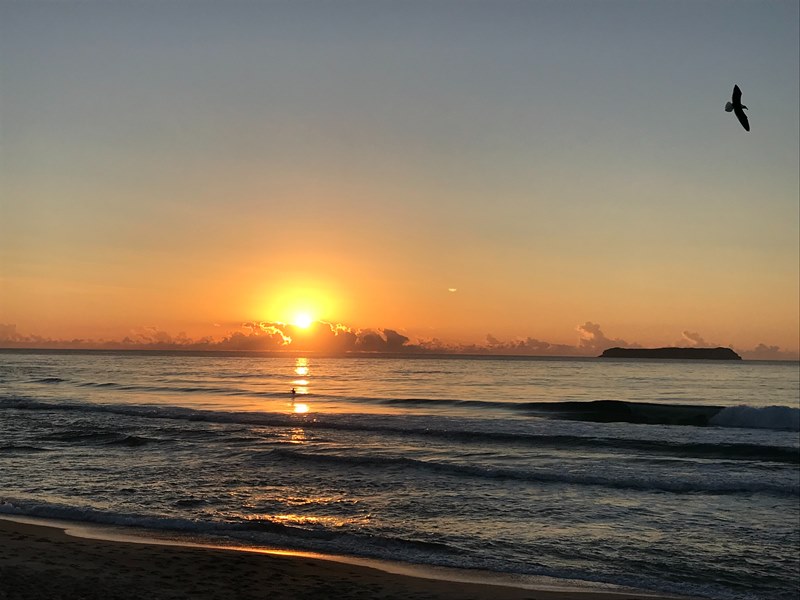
x=738, y=108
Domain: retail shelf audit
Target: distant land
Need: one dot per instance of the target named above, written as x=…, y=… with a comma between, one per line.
x=692, y=353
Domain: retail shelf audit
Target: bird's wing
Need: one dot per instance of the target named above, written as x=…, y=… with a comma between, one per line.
x=742, y=118
x=737, y=95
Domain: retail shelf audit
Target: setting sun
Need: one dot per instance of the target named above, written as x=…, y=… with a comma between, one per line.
x=302, y=320
x=296, y=302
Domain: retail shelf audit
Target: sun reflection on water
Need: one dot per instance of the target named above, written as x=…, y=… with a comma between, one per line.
x=296, y=519
x=298, y=436
x=301, y=367
x=300, y=386
x=301, y=520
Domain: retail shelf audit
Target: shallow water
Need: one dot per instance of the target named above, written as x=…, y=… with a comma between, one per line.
x=667, y=475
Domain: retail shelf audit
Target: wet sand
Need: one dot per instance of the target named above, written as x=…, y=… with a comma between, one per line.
x=38, y=563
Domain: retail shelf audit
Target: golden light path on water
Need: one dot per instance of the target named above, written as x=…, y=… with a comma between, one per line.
x=301, y=367
x=300, y=385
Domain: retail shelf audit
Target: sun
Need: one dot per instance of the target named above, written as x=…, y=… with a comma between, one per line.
x=298, y=303
x=302, y=320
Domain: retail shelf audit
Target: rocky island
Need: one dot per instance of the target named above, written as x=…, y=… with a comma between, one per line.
x=680, y=353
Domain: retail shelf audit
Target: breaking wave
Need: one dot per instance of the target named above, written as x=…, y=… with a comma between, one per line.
x=768, y=417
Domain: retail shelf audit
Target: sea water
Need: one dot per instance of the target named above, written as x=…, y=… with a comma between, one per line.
x=672, y=476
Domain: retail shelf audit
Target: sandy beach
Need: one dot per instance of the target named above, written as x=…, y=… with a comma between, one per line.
x=38, y=562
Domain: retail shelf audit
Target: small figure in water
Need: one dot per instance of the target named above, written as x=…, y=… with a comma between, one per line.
x=294, y=393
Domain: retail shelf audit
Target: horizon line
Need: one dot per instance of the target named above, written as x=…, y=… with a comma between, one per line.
x=416, y=354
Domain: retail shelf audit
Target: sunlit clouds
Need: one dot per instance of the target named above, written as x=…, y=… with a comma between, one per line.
x=593, y=339
x=337, y=339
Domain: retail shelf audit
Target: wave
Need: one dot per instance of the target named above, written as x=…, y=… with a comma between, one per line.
x=781, y=418
x=20, y=449
x=268, y=534
x=100, y=437
x=769, y=417
x=676, y=483
x=50, y=380
x=451, y=431
x=619, y=411
x=609, y=411
x=168, y=389
x=307, y=537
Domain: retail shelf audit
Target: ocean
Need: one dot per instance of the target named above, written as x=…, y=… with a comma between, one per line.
x=673, y=476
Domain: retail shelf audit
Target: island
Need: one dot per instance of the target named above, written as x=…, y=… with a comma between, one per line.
x=680, y=353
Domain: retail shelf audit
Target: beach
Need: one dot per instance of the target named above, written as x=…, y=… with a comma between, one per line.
x=38, y=562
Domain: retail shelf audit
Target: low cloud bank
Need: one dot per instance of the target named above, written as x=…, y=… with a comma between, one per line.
x=259, y=336
x=764, y=352
x=335, y=338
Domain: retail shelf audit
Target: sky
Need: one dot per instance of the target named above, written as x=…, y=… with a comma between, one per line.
x=552, y=176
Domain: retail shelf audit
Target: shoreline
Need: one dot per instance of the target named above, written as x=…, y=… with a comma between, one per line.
x=40, y=558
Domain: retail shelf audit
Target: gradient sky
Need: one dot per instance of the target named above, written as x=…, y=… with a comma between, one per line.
x=190, y=166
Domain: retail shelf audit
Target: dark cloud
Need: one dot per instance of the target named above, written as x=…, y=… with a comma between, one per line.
x=320, y=336
x=386, y=340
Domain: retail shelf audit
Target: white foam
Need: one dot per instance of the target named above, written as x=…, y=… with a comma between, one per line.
x=768, y=417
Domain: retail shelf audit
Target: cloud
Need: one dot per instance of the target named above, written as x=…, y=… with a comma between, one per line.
x=269, y=333
x=764, y=352
x=592, y=339
x=321, y=336
x=337, y=338
x=694, y=339
x=528, y=346
x=8, y=333
x=10, y=336
x=150, y=334
x=386, y=340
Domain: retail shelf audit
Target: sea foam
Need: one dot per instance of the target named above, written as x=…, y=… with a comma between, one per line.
x=768, y=417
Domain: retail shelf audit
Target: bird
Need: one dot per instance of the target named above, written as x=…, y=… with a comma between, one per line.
x=737, y=107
